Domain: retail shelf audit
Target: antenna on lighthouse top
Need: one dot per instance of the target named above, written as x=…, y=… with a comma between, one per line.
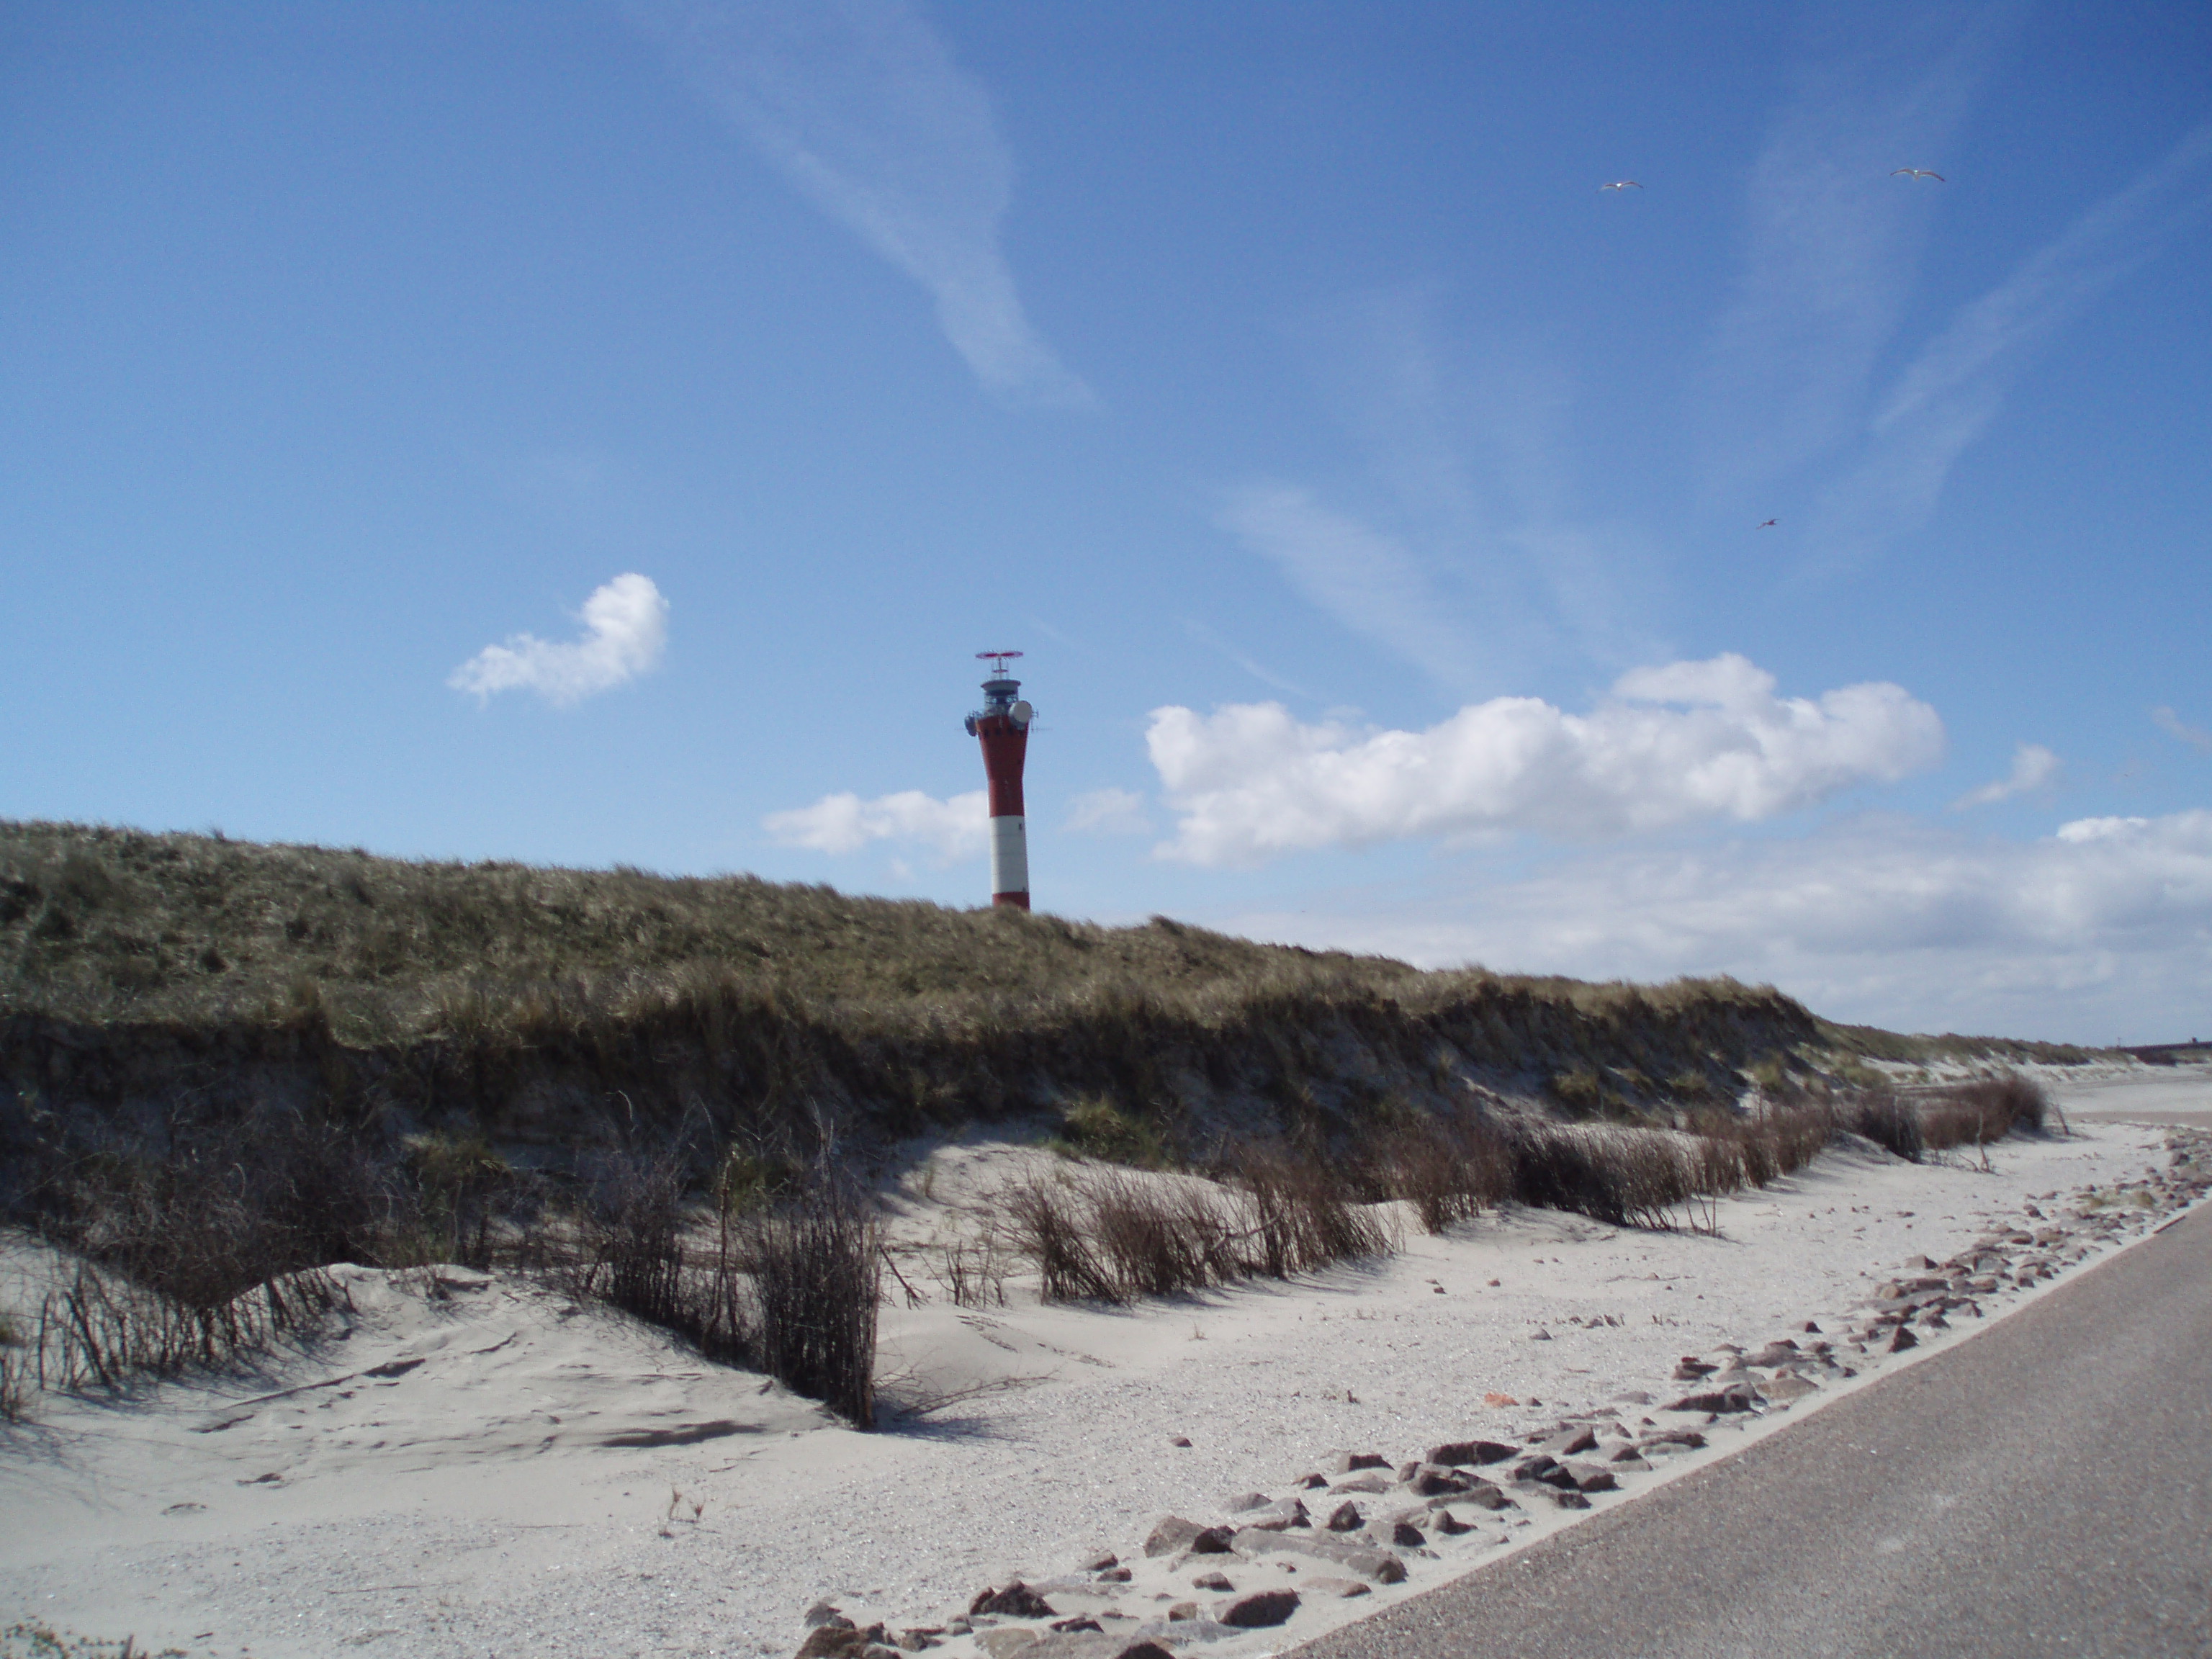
x=997, y=660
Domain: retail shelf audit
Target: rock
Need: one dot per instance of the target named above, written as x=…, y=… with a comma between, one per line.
x=1902, y=1339
x=1540, y=1336
x=1005, y=1641
x=1100, y=1562
x=918, y=1639
x=1812, y=1329
x=1175, y=1534
x=823, y=1614
x=1248, y=1500
x=836, y=1639
x=1688, y=1439
x=1213, y=1581
x=1071, y=1626
x=1571, y=1442
x=1308, y=1482
x=1495, y=1402
x=1571, y=1499
x=1428, y=1480
x=1484, y=1495
x=1352, y=1462
x=1784, y=1389
x=1180, y=1440
x=1371, y=1482
x=1345, y=1517
x=1450, y=1525
x=1343, y=1589
x=1261, y=1609
x=1776, y=1353
x=1690, y=1368
x=1737, y=1397
x=1407, y=1536
x=1181, y=1611
x=1278, y=1516
x=1547, y=1470
x=1094, y=1644
x=1591, y=1477
x=1380, y=1566
x=1016, y=1600
x=1114, y=1575
x=1626, y=1461
x=1463, y=1453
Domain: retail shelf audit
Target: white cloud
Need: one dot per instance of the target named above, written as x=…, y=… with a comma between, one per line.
x=1832, y=242
x=1369, y=581
x=958, y=828
x=1674, y=744
x=1957, y=384
x=2174, y=726
x=1110, y=812
x=2033, y=766
x=2101, y=931
x=625, y=627
x=1461, y=550
x=859, y=105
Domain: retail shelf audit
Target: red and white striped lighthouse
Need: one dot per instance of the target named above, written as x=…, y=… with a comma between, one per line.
x=1003, y=724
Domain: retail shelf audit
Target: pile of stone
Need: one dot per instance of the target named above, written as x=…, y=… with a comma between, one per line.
x=1362, y=1522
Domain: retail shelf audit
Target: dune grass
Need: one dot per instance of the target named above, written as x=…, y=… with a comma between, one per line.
x=224, y=1064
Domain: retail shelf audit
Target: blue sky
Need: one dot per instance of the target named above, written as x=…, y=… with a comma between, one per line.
x=606, y=433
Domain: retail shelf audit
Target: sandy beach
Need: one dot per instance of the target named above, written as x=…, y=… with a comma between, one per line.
x=472, y=1464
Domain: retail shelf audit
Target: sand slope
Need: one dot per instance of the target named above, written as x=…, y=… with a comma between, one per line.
x=471, y=1464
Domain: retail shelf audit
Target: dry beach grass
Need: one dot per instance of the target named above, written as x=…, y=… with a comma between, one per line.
x=425, y=1501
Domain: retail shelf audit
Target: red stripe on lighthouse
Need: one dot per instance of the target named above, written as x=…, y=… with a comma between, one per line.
x=1005, y=746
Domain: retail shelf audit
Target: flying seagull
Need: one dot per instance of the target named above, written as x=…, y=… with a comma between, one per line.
x=1769, y=525
x=1916, y=172
x=1624, y=184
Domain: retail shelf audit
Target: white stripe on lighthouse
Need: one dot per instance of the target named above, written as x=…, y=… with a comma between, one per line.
x=1010, y=855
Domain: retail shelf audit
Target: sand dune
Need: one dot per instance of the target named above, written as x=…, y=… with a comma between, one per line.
x=472, y=1464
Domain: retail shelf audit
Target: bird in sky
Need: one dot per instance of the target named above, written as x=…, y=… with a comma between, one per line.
x=1769, y=525
x=1620, y=184
x=1916, y=172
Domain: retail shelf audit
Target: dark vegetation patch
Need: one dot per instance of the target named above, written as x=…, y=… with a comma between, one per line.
x=224, y=1066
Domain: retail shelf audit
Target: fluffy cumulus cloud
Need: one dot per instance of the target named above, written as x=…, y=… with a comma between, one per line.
x=2033, y=767
x=625, y=628
x=1685, y=742
x=954, y=828
x=2100, y=932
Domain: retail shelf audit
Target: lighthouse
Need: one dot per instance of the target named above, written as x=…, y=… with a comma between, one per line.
x=1003, y=725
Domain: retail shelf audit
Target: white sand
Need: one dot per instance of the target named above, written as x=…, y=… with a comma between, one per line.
x=482, y=1502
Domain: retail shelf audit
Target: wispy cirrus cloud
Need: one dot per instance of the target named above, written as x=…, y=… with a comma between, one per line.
x=2033, y=767
x=1368, y=581
x=1459, y=548
x=1109, y=812
x=1674, y=744
x=953, y=829
x=2174, y=726
x=1832, y=245
x=625, y=630
x=1957, y=383
x=860, y=105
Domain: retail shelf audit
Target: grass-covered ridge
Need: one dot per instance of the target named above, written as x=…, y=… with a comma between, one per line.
x=224, y=1067
x=137, y=966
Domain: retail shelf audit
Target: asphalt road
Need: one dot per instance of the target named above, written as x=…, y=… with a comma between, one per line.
x=2043, y=1488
